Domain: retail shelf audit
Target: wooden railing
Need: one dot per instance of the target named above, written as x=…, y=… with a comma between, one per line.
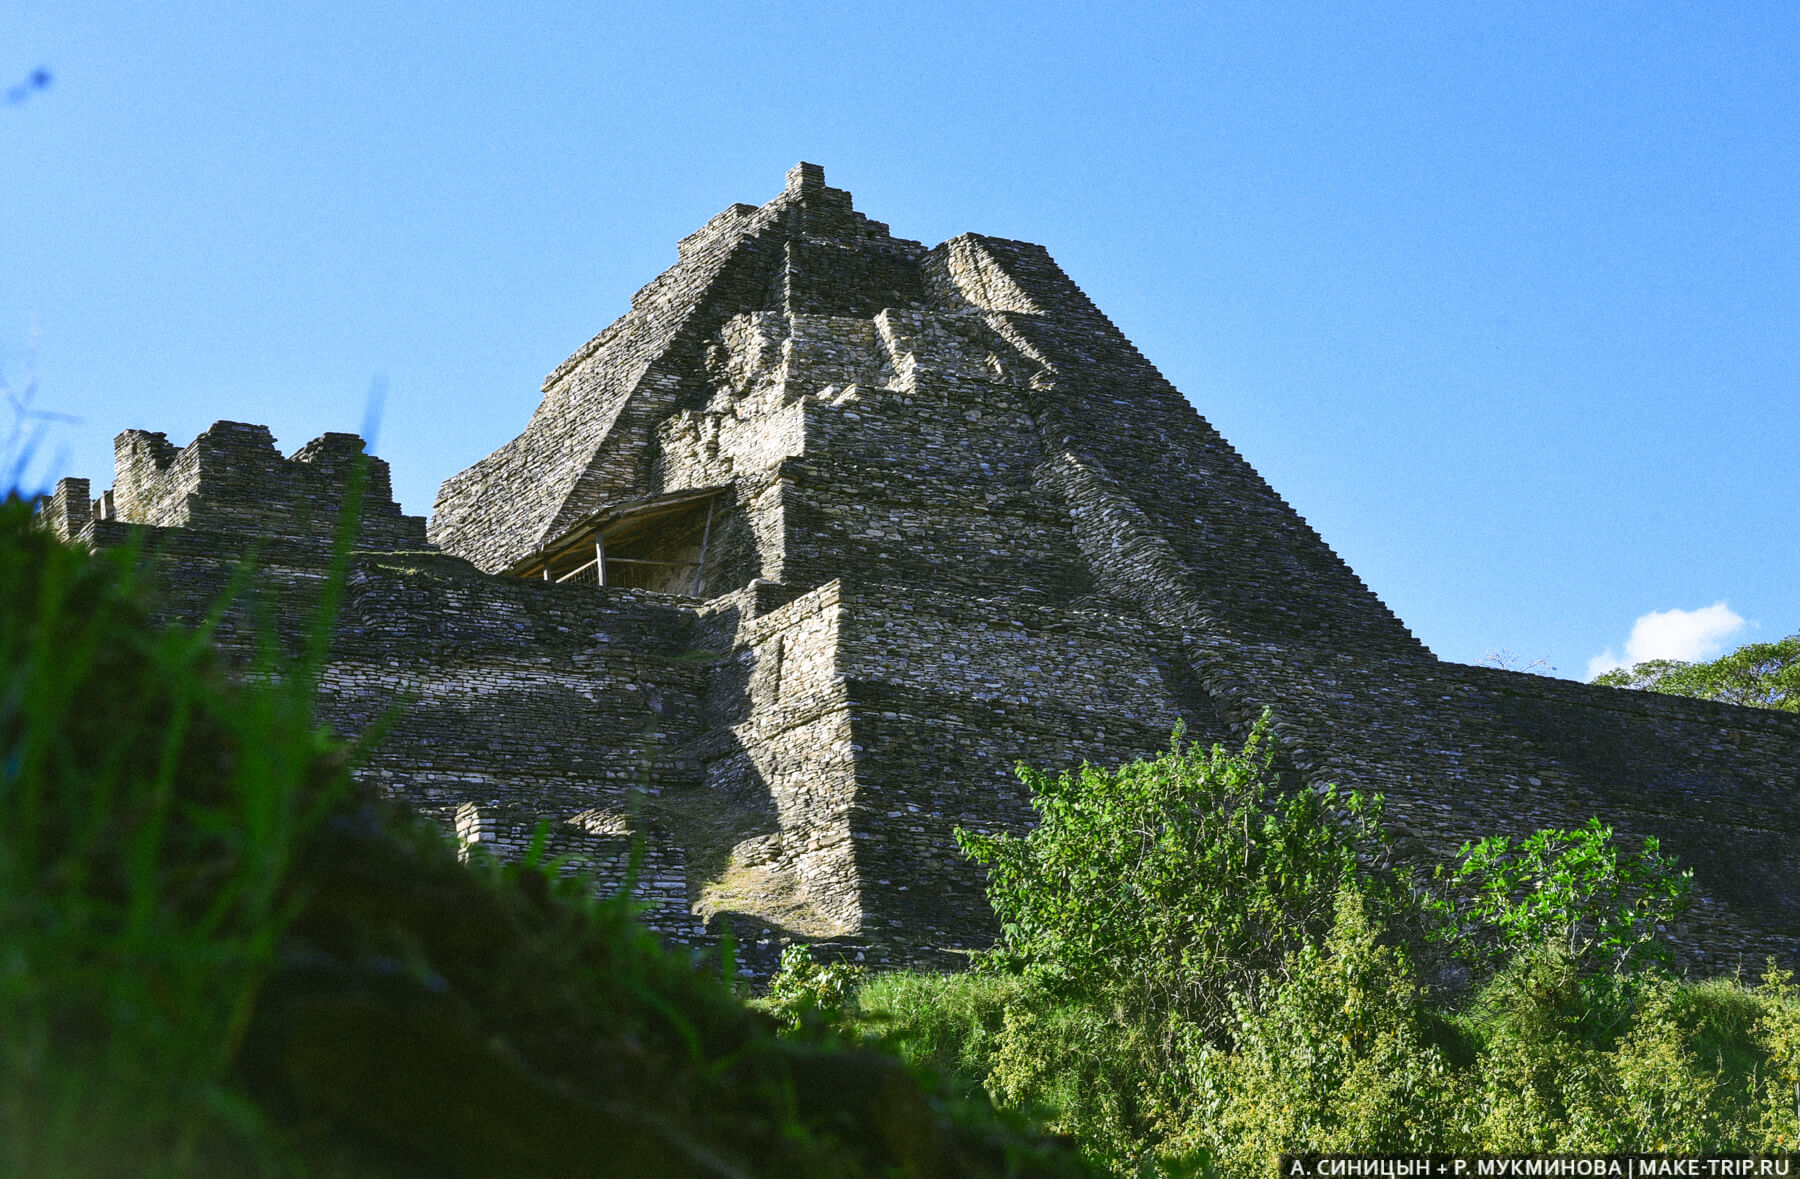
x=575, y=573
x=593, y=571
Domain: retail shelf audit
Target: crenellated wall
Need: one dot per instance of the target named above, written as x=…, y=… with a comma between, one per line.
x=232, y=479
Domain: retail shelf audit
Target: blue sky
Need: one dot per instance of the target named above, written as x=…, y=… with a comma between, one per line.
x=1504, y=298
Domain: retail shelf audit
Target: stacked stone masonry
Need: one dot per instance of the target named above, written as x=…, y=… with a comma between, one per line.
x=797, y=559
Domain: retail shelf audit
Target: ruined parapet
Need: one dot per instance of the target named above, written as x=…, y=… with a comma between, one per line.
x=232, y=479
x=66, y=511
x=229, y=502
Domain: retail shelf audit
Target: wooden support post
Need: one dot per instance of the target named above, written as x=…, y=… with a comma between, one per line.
x=599, y=558
x=705, y=535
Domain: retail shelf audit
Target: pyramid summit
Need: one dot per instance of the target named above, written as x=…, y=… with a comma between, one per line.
x=798, y=557
x=876, y=411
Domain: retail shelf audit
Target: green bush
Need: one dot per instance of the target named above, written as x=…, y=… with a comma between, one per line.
x=1171, y=887
x=1776, y=1079
x=1663, y=1066
x=1203, y=970
x=1348, y=1053
x=1152, y=910
x=803, y=991
x=1504, y=898
x=1337, y=1060
x=1082, y=1071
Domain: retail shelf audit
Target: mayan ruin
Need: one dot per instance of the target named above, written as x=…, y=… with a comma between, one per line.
x=798, y=559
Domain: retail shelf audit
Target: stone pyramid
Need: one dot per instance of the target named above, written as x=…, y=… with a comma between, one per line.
x=798, y=558
x=1017, y=540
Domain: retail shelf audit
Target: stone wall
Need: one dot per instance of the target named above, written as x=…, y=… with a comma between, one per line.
x=784, y=751
x=560, y=697
x=232, y=479
x=618, y=852
x=949, y=695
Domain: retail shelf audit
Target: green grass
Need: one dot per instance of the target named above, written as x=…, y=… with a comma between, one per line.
x=150, y=813
x=950, y=1023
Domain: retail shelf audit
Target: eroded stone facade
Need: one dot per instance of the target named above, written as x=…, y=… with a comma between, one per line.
x=798, y=558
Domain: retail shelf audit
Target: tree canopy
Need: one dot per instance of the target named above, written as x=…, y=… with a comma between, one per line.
x=1759, y=675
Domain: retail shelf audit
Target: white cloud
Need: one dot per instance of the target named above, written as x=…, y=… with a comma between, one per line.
x=1688, y=635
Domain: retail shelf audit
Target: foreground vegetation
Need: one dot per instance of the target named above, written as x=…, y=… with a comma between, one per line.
x=1199, y=970
x=218, y=958
x=1351, y=1055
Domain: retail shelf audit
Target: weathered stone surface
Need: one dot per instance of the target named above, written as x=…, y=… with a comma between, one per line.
x=800, y=556
x=232, y=479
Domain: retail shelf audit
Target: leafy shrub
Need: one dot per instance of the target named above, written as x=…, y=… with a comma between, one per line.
x=1083, y=1071
x=1349, y=1053
x=1504, y=898
x=1660, y=1066
x=1171, y=885
x=1777, y=1037
x=1151, y=910
x=1206, y=970
x=803, y=991
x=1336, y=1061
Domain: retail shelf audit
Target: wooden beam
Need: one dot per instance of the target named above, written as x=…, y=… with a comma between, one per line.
x=705, y=535
x=577, y=571
x=553, y=554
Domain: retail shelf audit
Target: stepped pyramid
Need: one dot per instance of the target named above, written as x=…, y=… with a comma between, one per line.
x=857, y=407
x=801, y=555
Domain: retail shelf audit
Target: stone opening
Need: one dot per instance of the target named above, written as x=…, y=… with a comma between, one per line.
x=658, y=544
